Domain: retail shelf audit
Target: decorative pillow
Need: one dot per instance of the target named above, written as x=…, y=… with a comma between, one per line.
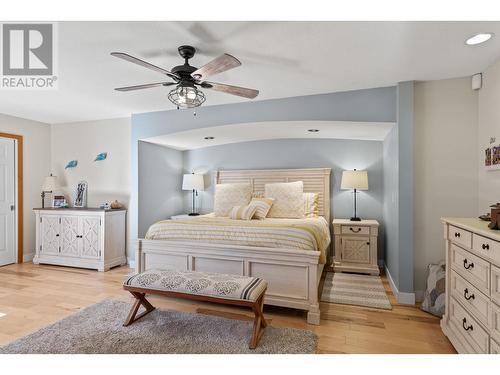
x=263, y=206
x=288, y=199
x=434, y=297
x=311, y=204
x=242, y=212
x=229, y=195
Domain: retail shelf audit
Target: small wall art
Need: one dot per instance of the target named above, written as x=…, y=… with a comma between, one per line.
x=81, y=195
x=492, y=156
x=101, y=156
x=71, y=164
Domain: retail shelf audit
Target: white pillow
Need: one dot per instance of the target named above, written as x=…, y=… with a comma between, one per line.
x=229, y=195
x=288, y=199
x=311, y=204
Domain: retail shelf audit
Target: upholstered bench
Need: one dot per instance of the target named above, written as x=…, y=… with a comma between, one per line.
x=199, y=286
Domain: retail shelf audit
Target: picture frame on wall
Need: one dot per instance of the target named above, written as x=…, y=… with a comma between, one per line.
x=80, y=199
x=492, y=157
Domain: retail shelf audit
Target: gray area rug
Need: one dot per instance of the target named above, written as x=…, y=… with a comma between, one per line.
x=351, y=289
x=98, y=329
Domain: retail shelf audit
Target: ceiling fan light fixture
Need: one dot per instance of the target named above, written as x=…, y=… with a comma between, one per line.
x=186, y=97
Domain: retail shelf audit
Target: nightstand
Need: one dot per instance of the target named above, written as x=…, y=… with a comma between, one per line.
x=356, y=246
x=181, y=217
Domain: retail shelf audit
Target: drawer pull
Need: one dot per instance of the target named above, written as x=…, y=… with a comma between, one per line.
x=355, y=231
x=485, y=246
x=467, y=266
x=457, y=234
x=468, y=296
x=469, y=328
x=367, y=243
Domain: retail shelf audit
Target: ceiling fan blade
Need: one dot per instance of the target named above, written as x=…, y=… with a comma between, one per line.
x=146, y=86
x=143, y=63
x=233, y=90
x=217, y=65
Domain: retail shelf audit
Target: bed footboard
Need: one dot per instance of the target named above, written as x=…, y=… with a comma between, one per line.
x=293, y=275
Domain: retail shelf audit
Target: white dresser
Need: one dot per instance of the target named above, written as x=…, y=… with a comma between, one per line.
x=472, y=316
x=356, y=246
x=80, y=237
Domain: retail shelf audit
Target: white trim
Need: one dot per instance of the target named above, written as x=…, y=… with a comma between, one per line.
x=403, y=298
x=16, y=207
x=131, y=263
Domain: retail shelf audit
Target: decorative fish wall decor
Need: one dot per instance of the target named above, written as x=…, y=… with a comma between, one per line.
x=71, y=164
x=101, y=156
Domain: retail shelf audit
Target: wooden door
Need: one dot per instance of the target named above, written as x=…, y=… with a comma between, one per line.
x=50, y=234
x=7, y=202
x=70, y=236
x=356, y=249
x=91, y=237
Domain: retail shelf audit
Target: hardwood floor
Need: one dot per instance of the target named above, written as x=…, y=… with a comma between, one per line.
x=33, y=296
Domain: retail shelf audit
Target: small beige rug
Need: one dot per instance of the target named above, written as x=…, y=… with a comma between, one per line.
x=351, y=289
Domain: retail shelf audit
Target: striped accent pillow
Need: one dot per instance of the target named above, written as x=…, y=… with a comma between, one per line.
x=263, y=206
x=242, y=212
x=311, y=204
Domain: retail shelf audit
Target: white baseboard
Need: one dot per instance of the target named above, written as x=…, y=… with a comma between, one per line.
x=28, y=257
x=403, y=298
x=131, y=263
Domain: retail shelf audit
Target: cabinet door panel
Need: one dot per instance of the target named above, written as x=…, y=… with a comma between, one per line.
x=356, y=249
x=50, y=234
x=91, y=232
x=69, y=238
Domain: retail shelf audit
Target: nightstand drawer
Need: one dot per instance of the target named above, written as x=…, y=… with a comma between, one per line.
x=355, y=229
x=460, y=236
x=472, y=268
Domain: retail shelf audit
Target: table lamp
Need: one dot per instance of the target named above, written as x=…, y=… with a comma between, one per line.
x=357, y=180
x=193, y=182
x=49, y=185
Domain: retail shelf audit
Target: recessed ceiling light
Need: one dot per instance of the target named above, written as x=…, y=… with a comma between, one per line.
x=478, y=39
x=209, y=138
x=313, y=130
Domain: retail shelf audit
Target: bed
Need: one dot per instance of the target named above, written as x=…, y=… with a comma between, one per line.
x=289, y=253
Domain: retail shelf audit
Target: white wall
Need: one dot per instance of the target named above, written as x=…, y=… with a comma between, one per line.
x=445, y=163
x=36, y=141
x=107, y=180
x=489, y=126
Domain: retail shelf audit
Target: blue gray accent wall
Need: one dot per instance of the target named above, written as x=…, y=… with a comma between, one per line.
x=298, y=153
x=398, y=192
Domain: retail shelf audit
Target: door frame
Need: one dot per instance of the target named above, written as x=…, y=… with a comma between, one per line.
x=19, y=192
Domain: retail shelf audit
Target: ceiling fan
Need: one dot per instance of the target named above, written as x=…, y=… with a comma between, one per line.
x=188, y=78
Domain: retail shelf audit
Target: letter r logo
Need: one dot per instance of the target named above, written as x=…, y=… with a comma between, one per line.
x=27, y=49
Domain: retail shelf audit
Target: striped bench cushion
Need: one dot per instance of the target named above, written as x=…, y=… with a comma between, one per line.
x=217, y=285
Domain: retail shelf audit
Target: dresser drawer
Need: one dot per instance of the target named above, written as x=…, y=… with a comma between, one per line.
x=474, y=269
x=460, y=236
x=469, y=296
x=470, y=329
x=355, y=229
x=486, y=247
x=495, y=284
x=494, y=347
x=495, y=322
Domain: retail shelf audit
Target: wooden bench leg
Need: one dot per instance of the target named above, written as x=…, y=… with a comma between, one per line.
x=259, y=322
x=140, y=299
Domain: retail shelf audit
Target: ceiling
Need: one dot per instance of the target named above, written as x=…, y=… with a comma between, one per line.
x=281, y=59
x=193, y=139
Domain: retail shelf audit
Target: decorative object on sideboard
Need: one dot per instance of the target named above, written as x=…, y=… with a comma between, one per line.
x=49, y=185
x=81, y=195
x=495, y=216
x=193, y=182
x=59, y=201
x=115, y=205
x=101, y=156
x=356, y=180
x=71, y=164
x=105, y=206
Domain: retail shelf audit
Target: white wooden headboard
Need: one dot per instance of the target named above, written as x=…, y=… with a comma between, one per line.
x=316, y=180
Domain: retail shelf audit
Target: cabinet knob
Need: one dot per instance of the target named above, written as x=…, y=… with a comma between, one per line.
x=457, y=234
x=57, y=235
x=485, y=246
x=367, y=243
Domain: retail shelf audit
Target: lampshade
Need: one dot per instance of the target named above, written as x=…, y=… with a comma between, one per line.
x=354, y=180
x=193, y=182
x=50, y=183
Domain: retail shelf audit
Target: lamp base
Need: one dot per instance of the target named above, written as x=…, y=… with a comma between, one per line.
x=194, y=214
x=355, y=219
